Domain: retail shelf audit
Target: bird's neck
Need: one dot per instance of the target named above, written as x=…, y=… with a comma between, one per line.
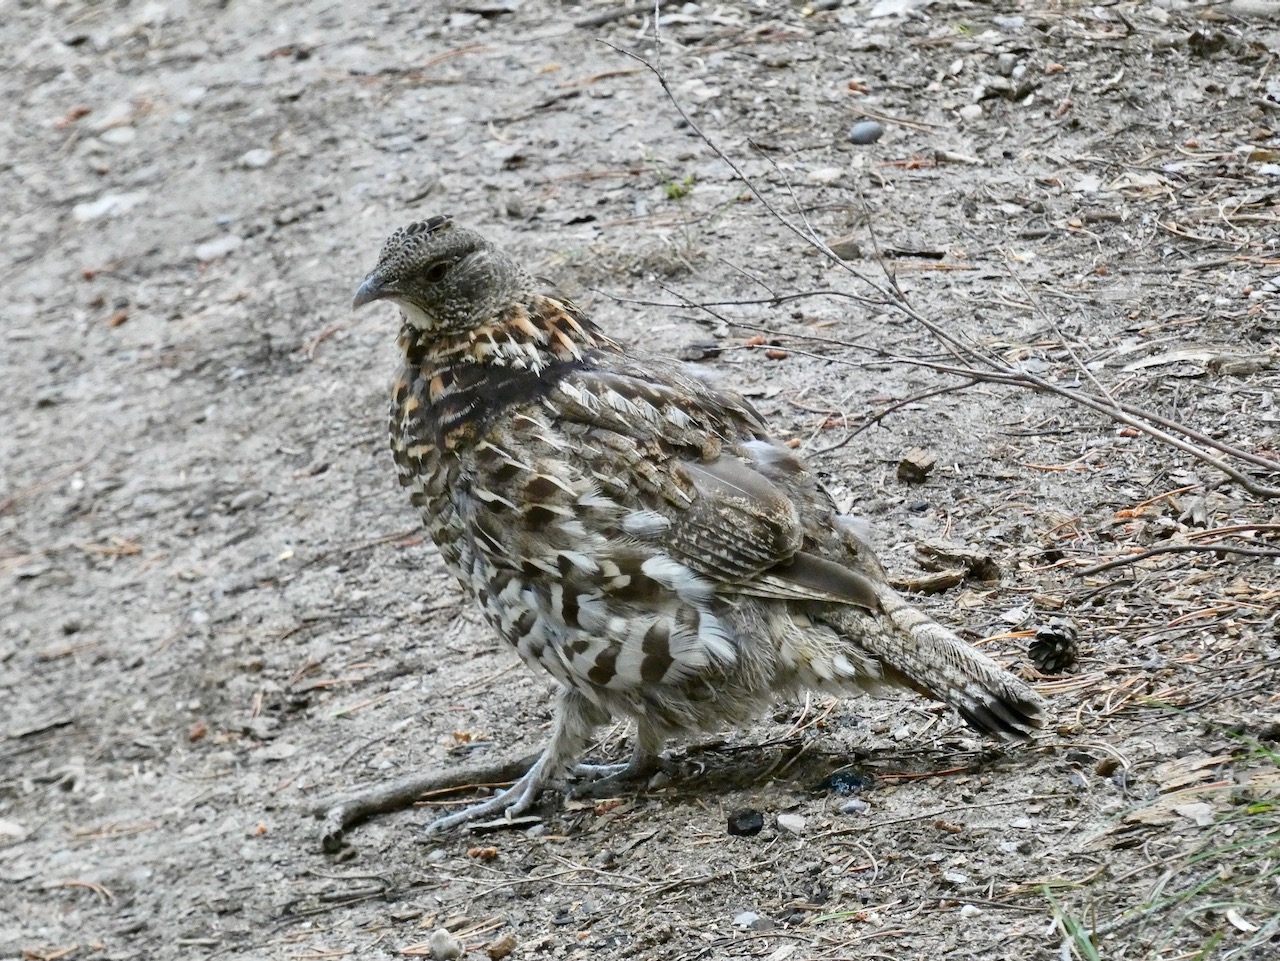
x=451, y=386
x=534, y=334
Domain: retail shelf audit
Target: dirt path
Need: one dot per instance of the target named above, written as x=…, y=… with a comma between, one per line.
x=217, y=607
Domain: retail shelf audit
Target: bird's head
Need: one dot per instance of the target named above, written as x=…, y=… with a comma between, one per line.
x=445, y=278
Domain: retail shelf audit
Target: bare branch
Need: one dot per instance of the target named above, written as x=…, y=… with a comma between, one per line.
x=1179, y=549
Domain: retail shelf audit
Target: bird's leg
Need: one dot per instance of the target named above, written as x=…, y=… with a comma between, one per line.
x=605, y=777
x=576, y=720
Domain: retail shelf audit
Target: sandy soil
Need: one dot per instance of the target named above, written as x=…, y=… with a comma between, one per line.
x=218, y=608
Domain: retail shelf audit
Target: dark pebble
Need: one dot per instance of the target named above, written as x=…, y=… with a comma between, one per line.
x=746, y=823
x=845, y=783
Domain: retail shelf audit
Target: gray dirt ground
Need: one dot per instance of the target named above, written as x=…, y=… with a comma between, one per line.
x=217, y=606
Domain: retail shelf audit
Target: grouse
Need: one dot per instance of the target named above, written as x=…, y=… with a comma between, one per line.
x=631, y=528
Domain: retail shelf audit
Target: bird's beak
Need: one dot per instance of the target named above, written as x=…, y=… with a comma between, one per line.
x=374, y=287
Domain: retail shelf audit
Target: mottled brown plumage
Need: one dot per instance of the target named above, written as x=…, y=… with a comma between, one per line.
x=631, y=529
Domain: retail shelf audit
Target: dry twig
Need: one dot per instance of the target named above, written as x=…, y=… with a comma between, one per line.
x=340, y=814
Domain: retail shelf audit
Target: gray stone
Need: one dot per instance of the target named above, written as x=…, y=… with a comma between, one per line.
x=866, y=132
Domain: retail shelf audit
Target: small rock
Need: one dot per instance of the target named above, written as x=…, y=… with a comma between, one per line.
x=826, y=175
x=1009, y=24
x=955, y=877
x=746, y=919
x=1088, y=184
x=444, y=946
x=214, y=249
x=847, y=782
x=970, y=911
x=262, y=728
x=746, y=823
x=247, y=499
x=866, y=132
x=915, y=467
x=791, y=823
x=695, y=352
x=255, y=159
x=846, y=248
x=108, y=205
x=1005, y=64
x=436, y=855
x=499, y=949
x=118, y=136
x=276, y=751
x=971, y=111
x=1016, y=616
x=870, y=43
x=855, y=806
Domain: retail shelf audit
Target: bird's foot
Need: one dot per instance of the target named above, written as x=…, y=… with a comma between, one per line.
x=514, y=801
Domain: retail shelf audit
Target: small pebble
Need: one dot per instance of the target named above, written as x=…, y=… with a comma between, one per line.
x=247, y=499
x=846, y=248
x=118, y=136
x=214, y=249
x=255, y=159
x=1005, y=64
x=826, y=175
x=970, y=911
x=855, y=806
x=971, y=111
x=746, y=823
x=916, y=465
x=444, y=946
x=746, y=919
x=108, y=205
x=502, y=947
x=866, y=131
x=955, y=877
x=845, y=783
x=791, y=823
x=1015, y=847
x=694, y=352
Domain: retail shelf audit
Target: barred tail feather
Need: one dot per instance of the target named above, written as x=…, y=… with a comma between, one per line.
x=919, y=653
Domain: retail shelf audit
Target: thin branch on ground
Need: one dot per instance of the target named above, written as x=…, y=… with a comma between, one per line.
x=340, y=814
x=1179, y=549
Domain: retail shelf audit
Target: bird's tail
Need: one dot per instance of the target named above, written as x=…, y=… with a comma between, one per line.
x=917, y=652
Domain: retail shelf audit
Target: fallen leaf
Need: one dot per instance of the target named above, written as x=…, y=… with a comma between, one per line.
x=1239, y=923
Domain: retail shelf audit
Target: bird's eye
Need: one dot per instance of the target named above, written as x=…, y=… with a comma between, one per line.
x=436, y=272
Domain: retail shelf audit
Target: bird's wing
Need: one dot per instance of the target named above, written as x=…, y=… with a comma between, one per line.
x=699, y=481
x=622, y=512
